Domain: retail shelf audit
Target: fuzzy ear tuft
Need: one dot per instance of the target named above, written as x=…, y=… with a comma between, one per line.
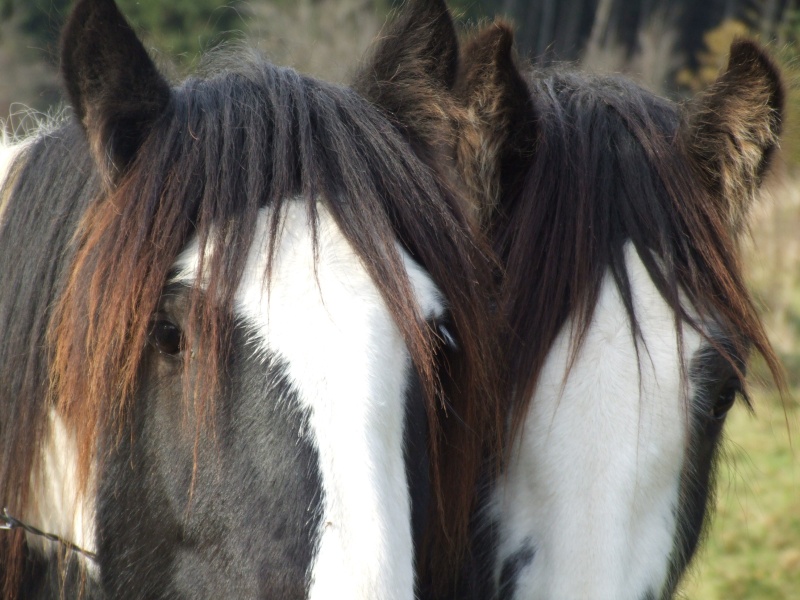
x=412, y=68
x=498, y=131
x=469, y=113
x=733, y=130
x=114, y=87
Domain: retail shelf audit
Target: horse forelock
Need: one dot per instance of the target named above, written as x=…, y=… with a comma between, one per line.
x=227, y=146
x=607, y=170
x=618, y=258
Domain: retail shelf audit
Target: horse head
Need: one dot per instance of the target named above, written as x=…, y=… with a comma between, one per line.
x=246, y=310
x=617, y=227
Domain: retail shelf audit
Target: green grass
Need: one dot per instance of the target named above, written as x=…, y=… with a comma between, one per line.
x=753, y=546
x=752, y=550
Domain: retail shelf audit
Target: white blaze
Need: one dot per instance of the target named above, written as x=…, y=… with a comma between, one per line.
x=327, y=321
x=593, y=484
x=56, y=505
x=8, y=151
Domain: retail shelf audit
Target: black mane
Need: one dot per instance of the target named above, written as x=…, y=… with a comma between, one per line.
x=88, y=261
x=608, y=167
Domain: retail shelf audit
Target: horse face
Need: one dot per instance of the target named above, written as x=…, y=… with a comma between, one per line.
x=280, y=214
x=304, y=487
x=624, y=287
x=607, y=489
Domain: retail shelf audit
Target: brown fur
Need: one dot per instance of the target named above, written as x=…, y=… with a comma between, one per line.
x=733, y=130
x=468, y=111
x=727, y=140
x=495, y=123
x=411, y=74
x=591, y=163
x=411, y=70
x=460, y=108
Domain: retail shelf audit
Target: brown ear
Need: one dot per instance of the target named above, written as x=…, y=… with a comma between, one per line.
x=733, y=129
x=467, y=113
x=114, y=88
x=412, y=69
x=497, y=132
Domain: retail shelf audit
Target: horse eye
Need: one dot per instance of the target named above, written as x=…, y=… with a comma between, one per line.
x=726, y=397
x=449, y=340
x=166, y=337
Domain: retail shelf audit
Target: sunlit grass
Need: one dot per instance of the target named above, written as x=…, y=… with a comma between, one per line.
x=752, y=551
x=753, y=547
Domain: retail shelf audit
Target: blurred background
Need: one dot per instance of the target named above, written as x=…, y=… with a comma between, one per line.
x=673, y=47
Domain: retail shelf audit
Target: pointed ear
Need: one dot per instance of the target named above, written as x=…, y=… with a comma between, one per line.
x=115, y=89
x=411, y=69
x=498, y=132
x=732, y=130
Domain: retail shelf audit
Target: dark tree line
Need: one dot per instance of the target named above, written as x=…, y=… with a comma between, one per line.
x=180, y=24
x=562, y=29
x=547, y=30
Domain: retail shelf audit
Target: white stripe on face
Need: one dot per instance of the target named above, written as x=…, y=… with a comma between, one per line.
x=7, y=154
x=56, y=505
x=592, y=488
x=345, y=356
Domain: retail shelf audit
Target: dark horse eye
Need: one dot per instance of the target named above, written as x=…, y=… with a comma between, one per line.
x=445, y=334
x=166, y=337
x=726, y=397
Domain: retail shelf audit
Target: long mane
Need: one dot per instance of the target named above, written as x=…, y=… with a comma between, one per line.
x=609, y=168
x=36, y=250
x=90, y=262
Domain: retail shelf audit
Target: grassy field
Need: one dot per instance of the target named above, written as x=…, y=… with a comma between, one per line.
x=753, y=546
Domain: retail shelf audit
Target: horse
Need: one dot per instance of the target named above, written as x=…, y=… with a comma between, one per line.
x=235, y=314
x=616, y=221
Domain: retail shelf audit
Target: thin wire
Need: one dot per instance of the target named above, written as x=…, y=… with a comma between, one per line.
x=9, y=523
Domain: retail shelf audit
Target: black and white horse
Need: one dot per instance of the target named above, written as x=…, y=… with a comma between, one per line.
x=233, y=314
x=248, y=335
x=616, y=221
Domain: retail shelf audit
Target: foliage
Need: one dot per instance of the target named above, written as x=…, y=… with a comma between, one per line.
x=788, y=46
x=466, y=9
x=786, y=49
x=711, y=60
x=178, y=27
x=185, y=27
x=324, y=38
x=772, y=260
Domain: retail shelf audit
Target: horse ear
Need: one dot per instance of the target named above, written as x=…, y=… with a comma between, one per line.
x=733, y=130
x=498, y=133
x=114, y=87
x=412, y=68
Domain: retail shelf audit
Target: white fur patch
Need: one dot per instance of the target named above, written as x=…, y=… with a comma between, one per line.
x=8, y=151
x=57, y=506
x=593, y=484
x=328, y=322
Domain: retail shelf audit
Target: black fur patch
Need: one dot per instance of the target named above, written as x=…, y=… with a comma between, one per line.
x=708, y=371
x=512, y=567
x=244, y=524
x=417, y=459
x=113, y=86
